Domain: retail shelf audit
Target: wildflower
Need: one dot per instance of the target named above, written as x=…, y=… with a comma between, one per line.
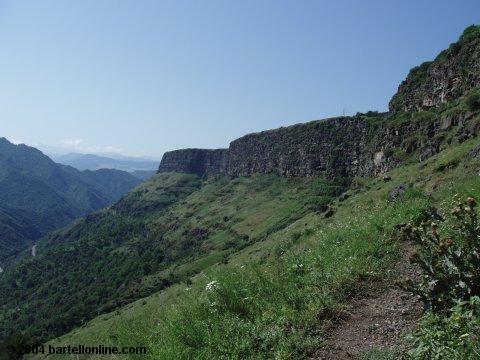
x=416, y=231
x=457, y=318
x=456, y=210
x=211, y=285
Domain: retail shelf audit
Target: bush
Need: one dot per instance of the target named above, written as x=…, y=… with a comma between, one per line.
x=451, y=264
x=473, y=102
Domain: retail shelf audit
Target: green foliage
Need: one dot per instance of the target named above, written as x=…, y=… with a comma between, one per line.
x=469, y=34
x=163, y=232
x=38, y=196
x=453, y=335
x=277, y=309
x=473, y=101
x=450, y=285
x=451, y=264
x=418, y=73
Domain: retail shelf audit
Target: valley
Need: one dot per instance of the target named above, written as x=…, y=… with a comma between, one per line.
x=38, y=195
x=260, y=250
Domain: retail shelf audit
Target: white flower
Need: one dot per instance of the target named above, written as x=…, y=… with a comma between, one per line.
x=211, y=285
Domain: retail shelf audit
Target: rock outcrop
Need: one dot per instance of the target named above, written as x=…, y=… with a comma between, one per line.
x=329, y=146
x=201, y=162
x=453, y=74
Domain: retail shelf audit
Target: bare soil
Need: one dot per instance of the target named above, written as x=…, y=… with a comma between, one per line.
x=379, y=320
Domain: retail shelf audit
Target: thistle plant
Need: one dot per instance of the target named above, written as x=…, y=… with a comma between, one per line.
x=450, y=263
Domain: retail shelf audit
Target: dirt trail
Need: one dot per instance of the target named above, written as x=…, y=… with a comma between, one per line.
x=379, y=320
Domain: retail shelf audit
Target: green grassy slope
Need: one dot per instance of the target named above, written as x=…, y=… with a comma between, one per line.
x=164, y=231
x=275, y=297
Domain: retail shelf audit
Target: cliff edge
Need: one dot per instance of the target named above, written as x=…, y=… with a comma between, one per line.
x=366, y=144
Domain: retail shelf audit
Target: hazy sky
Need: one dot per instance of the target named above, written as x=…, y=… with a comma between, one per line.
x=142, y=77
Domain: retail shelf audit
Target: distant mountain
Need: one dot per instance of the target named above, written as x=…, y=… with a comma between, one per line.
x=37, y=195
x=17, y=230
x=95, y=162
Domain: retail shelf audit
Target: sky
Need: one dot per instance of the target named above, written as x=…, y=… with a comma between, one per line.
x=142, y=77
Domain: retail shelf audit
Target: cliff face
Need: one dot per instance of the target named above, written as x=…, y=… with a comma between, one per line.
x=454, y=73
x=332, y=146
x=366, y=145
x=344, y=147
x=201, y=162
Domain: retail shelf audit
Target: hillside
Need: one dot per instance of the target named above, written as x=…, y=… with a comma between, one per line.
x=166, y=230
x=258, y=250
x=17, y=231
x=43, y=196
x=287, y=291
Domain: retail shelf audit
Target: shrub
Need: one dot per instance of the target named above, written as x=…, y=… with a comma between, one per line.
x=473, y=102
x=450, y=336
x=451, y=264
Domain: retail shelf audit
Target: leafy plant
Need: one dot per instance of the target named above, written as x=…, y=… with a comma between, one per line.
x=449, y=336
x=451, y=264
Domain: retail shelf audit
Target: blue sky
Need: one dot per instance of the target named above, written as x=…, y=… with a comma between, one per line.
x=143, y=77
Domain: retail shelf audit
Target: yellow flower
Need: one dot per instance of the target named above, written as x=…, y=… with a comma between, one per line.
x=457, y=318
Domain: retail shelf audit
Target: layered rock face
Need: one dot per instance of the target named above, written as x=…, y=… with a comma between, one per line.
x=453, y=74
x=331, y=146
x=201, y=162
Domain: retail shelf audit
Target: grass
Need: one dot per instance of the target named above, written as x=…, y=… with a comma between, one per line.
x=163, y=232
x=282, y=271
x=275, y=297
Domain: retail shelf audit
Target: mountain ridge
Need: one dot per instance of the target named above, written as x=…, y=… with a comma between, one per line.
x=47, y=195
x=96, y=162
x=205, y=205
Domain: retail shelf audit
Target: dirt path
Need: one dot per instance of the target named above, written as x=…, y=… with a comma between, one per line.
x=379, y=320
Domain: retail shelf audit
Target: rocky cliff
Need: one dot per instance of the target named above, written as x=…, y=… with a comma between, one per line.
x=331, y=146
x=201, y=162
x=326, y=146
x=451, y=75
x=367, y=144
